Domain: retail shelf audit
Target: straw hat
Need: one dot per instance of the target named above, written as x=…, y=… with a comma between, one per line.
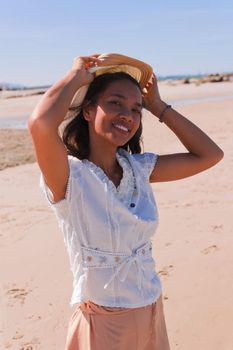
x=112, y=63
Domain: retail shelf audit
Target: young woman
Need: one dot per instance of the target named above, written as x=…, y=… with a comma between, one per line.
x=98, y=183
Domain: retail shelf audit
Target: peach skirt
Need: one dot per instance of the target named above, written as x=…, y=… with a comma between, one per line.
x=95, y=327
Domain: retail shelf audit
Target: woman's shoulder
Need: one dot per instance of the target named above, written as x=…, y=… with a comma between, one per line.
x=73, y=159
x=145, y=161
x=75, y=165
x=142, y=158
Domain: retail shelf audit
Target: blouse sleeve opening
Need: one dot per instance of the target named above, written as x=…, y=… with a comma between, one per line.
x=48, y=193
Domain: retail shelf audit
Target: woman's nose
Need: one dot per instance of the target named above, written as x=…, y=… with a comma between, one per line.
x=126, y=114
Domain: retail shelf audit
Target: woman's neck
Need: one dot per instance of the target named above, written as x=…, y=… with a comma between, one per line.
x=107, y=161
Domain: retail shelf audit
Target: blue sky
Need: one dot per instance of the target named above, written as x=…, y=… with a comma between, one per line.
x=39, y=39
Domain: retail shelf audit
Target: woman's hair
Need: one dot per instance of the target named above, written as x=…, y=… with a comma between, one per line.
x=75, y=135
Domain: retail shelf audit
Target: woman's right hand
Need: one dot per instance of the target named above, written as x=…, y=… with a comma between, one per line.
x=82, y=64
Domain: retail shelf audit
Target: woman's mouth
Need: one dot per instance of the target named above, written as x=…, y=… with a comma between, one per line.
x=121, y=128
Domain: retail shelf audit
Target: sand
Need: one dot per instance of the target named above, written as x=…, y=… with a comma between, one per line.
x=15, y=148
x=192, y=247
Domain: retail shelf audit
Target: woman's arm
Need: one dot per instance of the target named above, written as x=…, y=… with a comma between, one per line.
x=43, y=125
x=203, y=152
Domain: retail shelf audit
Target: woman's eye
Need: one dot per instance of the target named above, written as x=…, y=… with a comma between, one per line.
x=115, y=103
x=137, y=111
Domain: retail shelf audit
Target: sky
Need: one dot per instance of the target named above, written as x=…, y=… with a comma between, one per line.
x=40, y=39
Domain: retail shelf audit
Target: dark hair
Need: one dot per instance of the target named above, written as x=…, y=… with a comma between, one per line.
x=76, y=134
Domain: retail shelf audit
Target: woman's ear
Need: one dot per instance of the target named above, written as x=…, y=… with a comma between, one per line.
x=88, y=111
x=86, y=114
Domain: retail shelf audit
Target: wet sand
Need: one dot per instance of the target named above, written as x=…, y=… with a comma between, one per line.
x=15, y=148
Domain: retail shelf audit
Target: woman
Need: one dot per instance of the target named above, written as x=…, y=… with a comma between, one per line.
x=98, y=184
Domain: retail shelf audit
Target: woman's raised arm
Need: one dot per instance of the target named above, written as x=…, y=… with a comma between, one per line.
x=43, y=125
x=202, y=153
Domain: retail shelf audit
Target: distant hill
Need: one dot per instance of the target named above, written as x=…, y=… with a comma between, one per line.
x=9, y=86
x=12, y=86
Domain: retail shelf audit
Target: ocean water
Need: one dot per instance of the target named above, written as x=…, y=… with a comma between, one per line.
x=180, y=76
x=16, y=123
x=185, y=102
x=10, y=123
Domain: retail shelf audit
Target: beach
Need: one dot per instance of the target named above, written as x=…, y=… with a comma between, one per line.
x=192, y=246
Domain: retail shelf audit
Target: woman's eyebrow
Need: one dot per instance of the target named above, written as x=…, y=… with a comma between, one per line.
x=123, y=97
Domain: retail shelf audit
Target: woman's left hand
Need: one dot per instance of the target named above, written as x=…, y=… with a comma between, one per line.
x=152, y=98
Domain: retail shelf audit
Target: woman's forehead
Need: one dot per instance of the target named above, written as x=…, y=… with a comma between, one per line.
x=124, y=88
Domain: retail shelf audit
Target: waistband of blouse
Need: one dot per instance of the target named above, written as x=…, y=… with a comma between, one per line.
x=95, y=259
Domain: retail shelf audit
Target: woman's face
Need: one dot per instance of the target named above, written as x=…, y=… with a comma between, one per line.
x=117, y=114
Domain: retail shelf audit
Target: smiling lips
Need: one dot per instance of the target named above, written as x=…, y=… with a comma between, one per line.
x=121, y=127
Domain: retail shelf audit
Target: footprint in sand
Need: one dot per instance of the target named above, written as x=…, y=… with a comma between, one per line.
x=18, y=336
x=210, y=249
x=18, y=294
x=32, y=345
x=33, y=317
x=217, y=228
x=165, y=270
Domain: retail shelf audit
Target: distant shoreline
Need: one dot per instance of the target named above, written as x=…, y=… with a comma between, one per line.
x=178, y=78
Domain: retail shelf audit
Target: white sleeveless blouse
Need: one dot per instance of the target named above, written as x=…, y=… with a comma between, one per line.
x=107, y=231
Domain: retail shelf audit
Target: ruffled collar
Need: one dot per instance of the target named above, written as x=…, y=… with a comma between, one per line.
x=124, y=191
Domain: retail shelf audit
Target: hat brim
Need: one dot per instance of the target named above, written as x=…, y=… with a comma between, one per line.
x=112, y=63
